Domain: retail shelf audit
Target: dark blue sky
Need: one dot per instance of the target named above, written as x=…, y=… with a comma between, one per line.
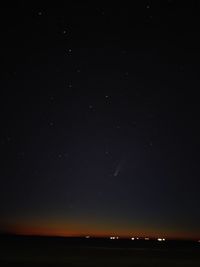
x=100, y=119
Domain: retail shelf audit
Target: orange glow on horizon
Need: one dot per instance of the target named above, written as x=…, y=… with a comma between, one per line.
x=78, y=232
x=77, y=228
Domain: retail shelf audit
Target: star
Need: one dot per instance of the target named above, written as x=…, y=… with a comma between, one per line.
x=8, y=138
x=69, y=52
x=21, y=154
x=150, y=143
x=124, y=51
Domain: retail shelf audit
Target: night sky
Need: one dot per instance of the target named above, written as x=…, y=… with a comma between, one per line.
x=100, y=119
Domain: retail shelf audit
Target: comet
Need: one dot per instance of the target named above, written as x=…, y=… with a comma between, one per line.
x=118, y=168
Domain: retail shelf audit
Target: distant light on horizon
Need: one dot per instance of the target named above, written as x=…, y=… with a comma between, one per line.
x=114, y=237
x=161, y=239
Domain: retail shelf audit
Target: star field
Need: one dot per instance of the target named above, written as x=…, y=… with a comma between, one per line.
x=100, y=119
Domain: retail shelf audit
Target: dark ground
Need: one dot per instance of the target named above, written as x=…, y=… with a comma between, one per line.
x=43, y=251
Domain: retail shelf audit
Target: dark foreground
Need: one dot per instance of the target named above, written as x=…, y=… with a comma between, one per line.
x=43, y=251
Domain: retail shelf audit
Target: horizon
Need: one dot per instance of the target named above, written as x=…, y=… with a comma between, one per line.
x=52, y=232
x=158, y=239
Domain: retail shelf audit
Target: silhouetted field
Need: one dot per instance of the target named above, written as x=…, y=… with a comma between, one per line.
x=45, y=251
